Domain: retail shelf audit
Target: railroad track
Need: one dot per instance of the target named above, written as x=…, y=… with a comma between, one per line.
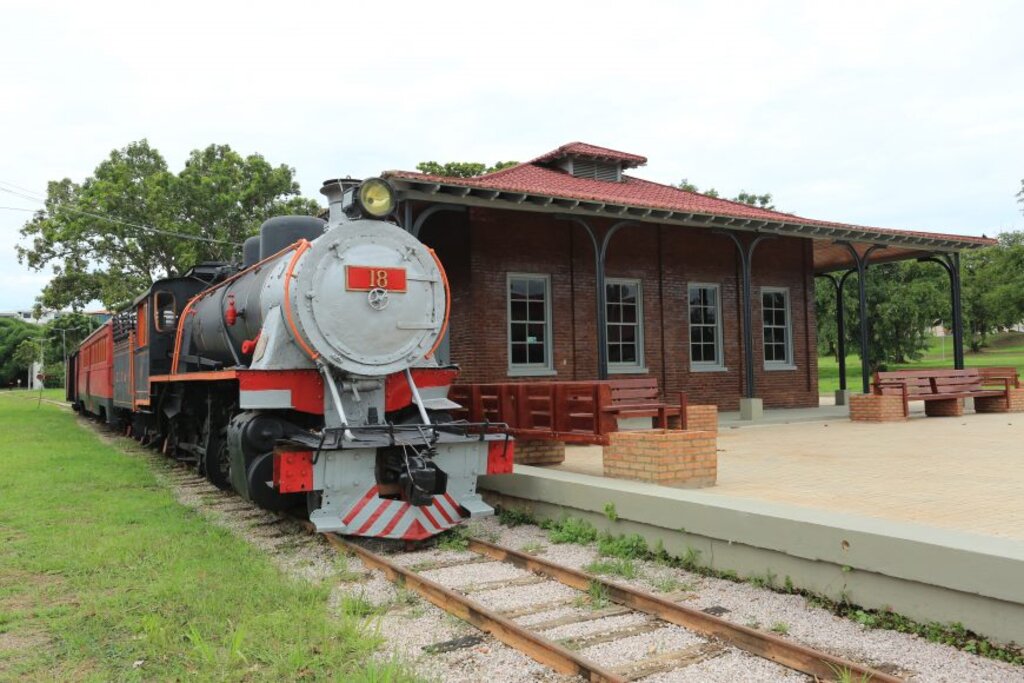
x=717, y=635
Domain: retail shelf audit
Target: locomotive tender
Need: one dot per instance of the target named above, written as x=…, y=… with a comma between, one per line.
x=305, y=376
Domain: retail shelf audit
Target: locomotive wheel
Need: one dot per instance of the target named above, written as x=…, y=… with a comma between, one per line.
x=215, y=461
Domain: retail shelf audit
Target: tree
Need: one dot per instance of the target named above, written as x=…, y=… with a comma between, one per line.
x=762, y=201
x=12, y=333
x=133, y=220
x=993, y=288
x=27, y=353
x=461, y=169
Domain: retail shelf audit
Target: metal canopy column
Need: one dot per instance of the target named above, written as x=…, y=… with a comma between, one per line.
x=951, y=264
x=839, y=283
x=746, y=256
x=861, y=262
x=600, y=252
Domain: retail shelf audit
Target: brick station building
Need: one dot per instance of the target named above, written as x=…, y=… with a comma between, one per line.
x=568, y=268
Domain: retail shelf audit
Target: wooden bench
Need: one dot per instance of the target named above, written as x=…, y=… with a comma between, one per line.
x=630, y=398
x=942, y=385
x=995, y=375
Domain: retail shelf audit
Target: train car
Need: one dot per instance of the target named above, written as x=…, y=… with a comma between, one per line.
x=90, y=386
x=307, y=377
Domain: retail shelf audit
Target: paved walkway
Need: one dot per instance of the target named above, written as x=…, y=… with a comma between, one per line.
x=959, y=473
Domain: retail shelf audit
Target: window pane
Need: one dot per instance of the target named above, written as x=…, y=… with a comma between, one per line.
x=536, y=354
x=696, y=315
x=518, y=353
x=614, y=353
x=628, y=333
x=614, y=313
x=517, y=288
x=518, y=333
x=629, y=314
x=535, y=332
x=614, y=334
x=536, y=311
x=518, y=310
x=628, y=293
x=710, y=315
x=629, y=353
x=536, y=288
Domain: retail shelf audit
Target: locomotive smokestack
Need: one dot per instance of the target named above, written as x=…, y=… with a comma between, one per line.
x=335, y=191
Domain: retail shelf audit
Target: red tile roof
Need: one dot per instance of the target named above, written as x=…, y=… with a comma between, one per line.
x=533, y=178
x=593, y=151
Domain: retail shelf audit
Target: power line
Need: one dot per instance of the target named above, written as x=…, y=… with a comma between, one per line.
x=111, y=219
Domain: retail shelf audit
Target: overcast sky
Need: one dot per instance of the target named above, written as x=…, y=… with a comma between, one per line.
x=893, y=114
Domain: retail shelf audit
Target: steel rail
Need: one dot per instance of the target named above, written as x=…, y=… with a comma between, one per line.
x=812, y=662
x=504, y=629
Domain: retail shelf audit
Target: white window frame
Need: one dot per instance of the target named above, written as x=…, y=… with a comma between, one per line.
x=637, y=366
x=789, y=363
x=706, y=366
x=530, y=369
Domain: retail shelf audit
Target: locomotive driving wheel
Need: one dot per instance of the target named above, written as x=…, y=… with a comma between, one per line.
x=215, y=462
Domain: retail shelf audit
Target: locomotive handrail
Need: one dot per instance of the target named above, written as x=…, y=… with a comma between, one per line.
x=447, y=303
x=302, y=247
x=183, y=320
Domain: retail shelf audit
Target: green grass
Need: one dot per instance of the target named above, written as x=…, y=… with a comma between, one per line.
x=1006, y=349
x=105, y=577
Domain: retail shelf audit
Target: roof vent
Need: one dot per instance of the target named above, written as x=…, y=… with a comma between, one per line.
x=594, y=169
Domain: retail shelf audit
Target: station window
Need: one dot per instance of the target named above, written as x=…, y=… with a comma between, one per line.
x=624, y=315
x=778, y=336
x=529, y=324
x=705, y=309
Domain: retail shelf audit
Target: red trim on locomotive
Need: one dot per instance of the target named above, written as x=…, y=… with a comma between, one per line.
x=293, y=471
x=500, y=455
x=397, y=393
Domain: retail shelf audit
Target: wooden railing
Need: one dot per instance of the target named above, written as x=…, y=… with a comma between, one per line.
x=573, y=412
x=562, y=411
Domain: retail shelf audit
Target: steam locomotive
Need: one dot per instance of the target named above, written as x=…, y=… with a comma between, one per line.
x=306, y=376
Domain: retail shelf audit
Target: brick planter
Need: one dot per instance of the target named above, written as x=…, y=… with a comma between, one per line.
x=998, y=404
x=670, y=457
x=539, y=452
x=872, y=408
x=953, y=407
x=699, y=418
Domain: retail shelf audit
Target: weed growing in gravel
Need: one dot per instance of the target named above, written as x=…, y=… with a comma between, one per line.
x=628, y=547
x=766, y=580
x=359, y=606
x=610, y=513
x=513, y=517
x=480, y=531
x=570, y=530
x=780, y=627
x=670, y=584
x=595, y=598
x=456, y=538
x=690, y=560
x=618, y=567
x=532, y=548
x=844, y=675
x=342, y=570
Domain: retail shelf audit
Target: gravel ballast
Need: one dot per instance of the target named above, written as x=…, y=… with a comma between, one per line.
x=408, y=623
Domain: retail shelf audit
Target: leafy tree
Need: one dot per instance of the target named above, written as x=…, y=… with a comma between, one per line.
x=133, y=220
x=993, y=288
x=461, y=169
x=12, y=333
x=27, y=352
x=762, y=201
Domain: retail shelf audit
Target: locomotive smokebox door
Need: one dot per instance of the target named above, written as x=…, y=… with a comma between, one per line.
x=370, y=298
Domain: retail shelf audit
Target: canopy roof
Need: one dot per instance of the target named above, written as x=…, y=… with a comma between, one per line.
x=538, y=186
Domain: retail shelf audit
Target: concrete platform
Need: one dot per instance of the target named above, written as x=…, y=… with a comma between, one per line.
x=925, y=517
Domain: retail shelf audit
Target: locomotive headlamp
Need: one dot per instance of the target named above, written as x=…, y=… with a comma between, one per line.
x=375, y=198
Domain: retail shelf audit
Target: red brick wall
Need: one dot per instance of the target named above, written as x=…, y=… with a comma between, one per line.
x=480, y=248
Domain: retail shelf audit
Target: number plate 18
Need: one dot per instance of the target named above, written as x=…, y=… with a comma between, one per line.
x=365, y=278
